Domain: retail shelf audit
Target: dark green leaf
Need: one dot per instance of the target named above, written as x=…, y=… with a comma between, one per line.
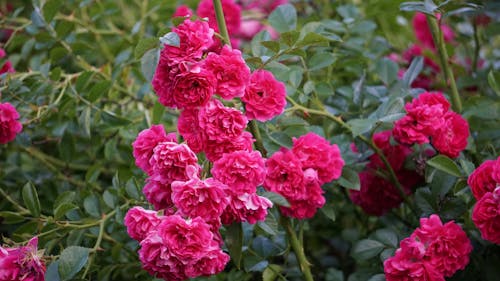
x=283, y=18
x=253, y=263
x=145, y=45
x=329, y=212
x=91, y=205
x=30, y=198
x=445, y=164
x=71, y=261
x=334, y=274
x=387, y=237
x=51, y=8
x=114, y=120
x=62, y=209
x=366, y=249
x=132, y=189
x=7, y=217
x=110, y=199
x=492, y=81
x=387, y=70
x=349, y=179
x=276, y=198
x=234, y=242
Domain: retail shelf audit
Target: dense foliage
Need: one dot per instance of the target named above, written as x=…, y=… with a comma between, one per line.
x=348, y=140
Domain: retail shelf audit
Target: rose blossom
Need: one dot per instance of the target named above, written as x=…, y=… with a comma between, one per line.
x=183, y=11
x=215, y=149
x=158, y=194
x=407, y=131
x=423, y=32
x=428, y=109
x=189, y=128
x=7, y=66
x=496, y=170
x=193, y=86
x=285, y=175
x=146, y=141
x=481, y=180
x=211, y=263
x=200, y=198
x=241, y=171
x=315, y=152
x=486, y=216
x=22, y=263
x=221, y=123
x=265, y=97
x=230, y=70
x=232, y=14
x=451, y=138
x=170, y=161
x=395, y=154
x=248, y=207
x=447, y=246
x=140, y=222
x=9, y=124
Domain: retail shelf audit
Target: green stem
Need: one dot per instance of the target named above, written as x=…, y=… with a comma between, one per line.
x=444, y=58
x=221, y=22
x=254, y=129
x=298, y=248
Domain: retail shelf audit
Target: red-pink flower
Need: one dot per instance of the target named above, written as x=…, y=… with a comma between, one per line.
x=265, y=97
x=451, y=138
x=162, y=82
x=211, y=263
x=170, y=160
x=395, y=154
x=248, y=207
x=481, y=180
x=447, y=247
x=496, y=170
x=189, y=128
x=7, y=66
x=215, y=149
x=486, y=216
x=315, y=152
x=193, y=86
x=285, y=175
x=423, y=32
x=140, y=222
x=9, y=124
x=408, y=131
x=266, y=5
x=306, y=208
x=428, y=109
x=22, y=263
x=241, y=171
x=146, y=141
x=221, y=123
x=232, y=14
x=158, y=193
x=183, y=11
x=230, y=70
x=206, y=198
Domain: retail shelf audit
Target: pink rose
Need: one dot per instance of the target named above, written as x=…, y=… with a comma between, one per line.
x=215, y=149
x=9, y=124
x=146, y=141
x=451, y=138
x=162, y=82
x=7, y=66
x=315, y=152
x=306, y=208
x=158, y=194
x=211, y=263
x=408, y=131
x=140, y=222
x=447, y=246
x=231, y=72
x=285, y=175
x=221, y=123
x=265, y=97
x=242, y=171
x=481, y=180
x=496, y=170
x=193, y=86
x=22, y=263
x=267, y=5
x=486, y=216
x=200, y=198
x=423, y=32
x=395, y=154
x=170, y=160
x=428, y=109
x=189, y=128
x=232, y=14
x=247, y=207
x=183, y=11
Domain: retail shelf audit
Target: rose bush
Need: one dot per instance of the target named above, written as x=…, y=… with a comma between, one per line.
x=249, y=140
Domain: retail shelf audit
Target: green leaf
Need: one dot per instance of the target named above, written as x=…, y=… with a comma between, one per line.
x=321, y=60
x=276, y=198
x=109, y=199
x=52, y=273
x=85, y=120
x=51, y=8
x=334, y=274
x=387, y=70
x=99, y=89
x=114, y=120
x=329, y=212
x=234, y=242
x=289, y=37
x=271, y=272
x=145, y=45
x=30, y=198
x=132, y=189
x=426, y=8
x=361, y=126
x=366, y=249
x=445, y=164
x=425, y=201
x=311, y=39
x=91, y=205
x=63, y=209
x=387, y=237
x=349, y=179
x=171, y=39
x=493, y=82
x=149, y=62
x=264, y=247
x=7, y=217
x=416, y=66
x=65, y=197
x=71, y=261
x=377, y=277
x=271, y=45
x=283, y=18
x=253, y=263
x=83, y=80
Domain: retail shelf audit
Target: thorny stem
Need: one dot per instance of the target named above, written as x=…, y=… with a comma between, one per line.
x=444, y=58
x=298, y=248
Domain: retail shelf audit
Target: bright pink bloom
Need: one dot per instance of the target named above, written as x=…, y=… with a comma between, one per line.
x=231, y=72
x=481, y=180
x=140, y=222
x=170, y=160
x=9, y=124
x=486, y=216
x=451, y=138
x=195, y=38
x=206, y=198
x=193, y=86
x=408, y=131
x=428, y=109
x=146, y=141
x=247, y=207
x=315, y=152
x=265, y=97
x=395, y=154
x=266, y=5
x=496, y=170
x=241, y=171
x=285, y=175
x=158, y=194
x=214, y=150
x=189, y=128
x=22, y=263
x=162, y=82
x=183, y=11
x=447, y=246
x=423, y=32
x=211, y=263
x=232, y=14
x=306, y=208
x=220, y=123
x=7, y=66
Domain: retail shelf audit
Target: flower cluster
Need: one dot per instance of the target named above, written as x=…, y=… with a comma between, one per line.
x=429, y=119
x=485, y=185
x=297, y=174
x=432, y=252
x=22, y=263
x=377, y=195
x=9, y=124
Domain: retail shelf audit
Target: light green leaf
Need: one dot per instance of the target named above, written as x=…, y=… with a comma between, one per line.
x=445, y=164
x=283, y=18
x=387, y=70
x=145, y=45
x=30, y=198
x=276, y=198
x=171, y=39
